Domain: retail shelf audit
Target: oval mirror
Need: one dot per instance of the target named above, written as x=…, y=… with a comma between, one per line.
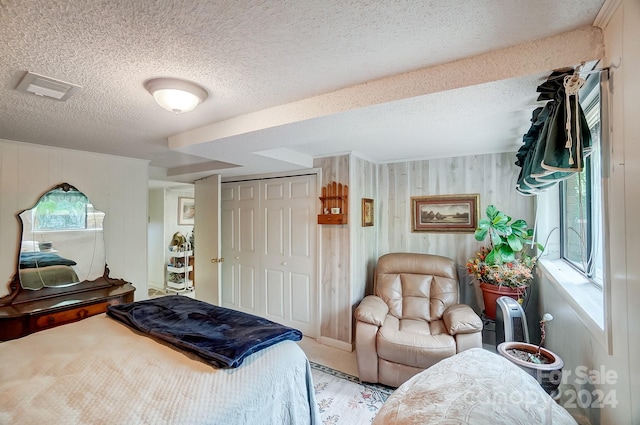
x=62, y=240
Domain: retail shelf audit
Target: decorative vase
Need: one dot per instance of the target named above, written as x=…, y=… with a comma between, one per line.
x=548, y=375
x=490, y=294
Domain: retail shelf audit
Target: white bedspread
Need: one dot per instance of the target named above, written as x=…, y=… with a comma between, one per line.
x=98, y=371
x=475, y=387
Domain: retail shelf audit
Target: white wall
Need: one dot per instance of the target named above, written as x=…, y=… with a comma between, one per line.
x=171, y=215
x=156, y=245
x=163, y=223
x=115, y=185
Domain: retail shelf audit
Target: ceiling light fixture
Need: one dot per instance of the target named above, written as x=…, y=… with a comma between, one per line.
x=175, y=95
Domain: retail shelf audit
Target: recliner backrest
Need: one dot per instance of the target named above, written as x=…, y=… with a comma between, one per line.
x=416, y=286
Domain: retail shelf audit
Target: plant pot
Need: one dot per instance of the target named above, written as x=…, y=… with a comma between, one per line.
x=490, y=294
x=548, y=375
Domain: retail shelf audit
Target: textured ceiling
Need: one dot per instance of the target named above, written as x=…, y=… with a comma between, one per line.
x=288, y=80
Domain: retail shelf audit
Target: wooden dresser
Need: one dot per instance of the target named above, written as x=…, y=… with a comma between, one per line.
x=23, y=318
x=45, y=290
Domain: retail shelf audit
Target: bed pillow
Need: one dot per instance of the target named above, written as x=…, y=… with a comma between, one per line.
x=29, y=246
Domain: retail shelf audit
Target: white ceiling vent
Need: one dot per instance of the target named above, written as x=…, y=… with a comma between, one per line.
x=47, y=87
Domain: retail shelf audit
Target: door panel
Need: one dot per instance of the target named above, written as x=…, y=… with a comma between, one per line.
x=229, y=274
x=301, y=238
x=247, y=229
x=274, y=232
x=207, y=240
x=281, y=239
x=274, y=189
x=275, y=295
x=247, y=288
x=239, y=245
x=229, y=298
x=301, y=293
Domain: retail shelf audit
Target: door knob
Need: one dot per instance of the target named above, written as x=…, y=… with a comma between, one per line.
x=284, y=263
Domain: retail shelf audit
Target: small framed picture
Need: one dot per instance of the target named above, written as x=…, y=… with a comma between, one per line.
x=445, y=213
x=186, y=211
x=367, y=212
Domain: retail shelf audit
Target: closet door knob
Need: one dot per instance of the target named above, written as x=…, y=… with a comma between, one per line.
x=284, y=263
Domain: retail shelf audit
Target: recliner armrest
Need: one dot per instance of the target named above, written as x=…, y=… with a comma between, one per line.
x=372, y=310
x=461, y=319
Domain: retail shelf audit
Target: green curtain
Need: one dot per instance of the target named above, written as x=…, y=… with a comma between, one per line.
x=550, y=152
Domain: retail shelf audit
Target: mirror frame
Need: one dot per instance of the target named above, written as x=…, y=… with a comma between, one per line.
x=18, y=295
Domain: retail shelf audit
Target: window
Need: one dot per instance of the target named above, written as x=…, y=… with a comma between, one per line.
x=581, y=198
x=60, y=210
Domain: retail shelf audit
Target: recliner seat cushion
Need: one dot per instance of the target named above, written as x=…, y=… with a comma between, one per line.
x=414, y=342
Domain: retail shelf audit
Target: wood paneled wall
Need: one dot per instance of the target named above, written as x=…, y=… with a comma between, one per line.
x=493, y=176
x=335, y=260
x=115, y=185
x=349, y=253
x=364, y=240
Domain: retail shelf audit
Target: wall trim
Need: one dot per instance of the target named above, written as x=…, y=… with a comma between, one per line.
x=280, y=174
x=606, y=12
x=345, y=346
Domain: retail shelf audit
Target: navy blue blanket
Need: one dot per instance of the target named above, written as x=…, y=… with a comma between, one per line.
x=222, y=336
x=29, y=260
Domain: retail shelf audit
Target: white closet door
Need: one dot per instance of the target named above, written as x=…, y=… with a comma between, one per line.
x=269, y=245
x=240, y=230
x=289, y=251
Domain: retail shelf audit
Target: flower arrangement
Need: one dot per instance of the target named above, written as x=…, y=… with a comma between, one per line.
x=504, y=262
x=514, y=274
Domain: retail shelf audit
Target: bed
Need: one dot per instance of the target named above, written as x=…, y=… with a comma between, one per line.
x=99, y=370
x=39, y=269
x=475, y=387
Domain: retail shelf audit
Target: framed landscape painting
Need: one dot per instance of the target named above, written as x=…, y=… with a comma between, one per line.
x=445, y=213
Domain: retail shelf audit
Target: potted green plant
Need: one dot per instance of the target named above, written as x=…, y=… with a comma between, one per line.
x=542, y=364
x=504, y=268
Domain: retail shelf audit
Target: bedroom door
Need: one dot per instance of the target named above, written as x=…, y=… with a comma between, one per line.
x=207, y=240
x=269, y=244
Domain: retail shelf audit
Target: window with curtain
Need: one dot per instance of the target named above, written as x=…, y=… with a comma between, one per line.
x=581, y=238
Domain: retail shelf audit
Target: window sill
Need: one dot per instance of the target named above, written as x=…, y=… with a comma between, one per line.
x=583, y=296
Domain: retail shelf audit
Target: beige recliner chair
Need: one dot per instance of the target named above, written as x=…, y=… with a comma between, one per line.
x=413, y=320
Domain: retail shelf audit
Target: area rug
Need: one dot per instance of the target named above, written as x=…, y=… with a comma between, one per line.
x=344, y=400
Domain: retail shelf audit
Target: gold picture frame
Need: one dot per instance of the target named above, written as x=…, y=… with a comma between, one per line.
x=367, y=212
x=445, y=213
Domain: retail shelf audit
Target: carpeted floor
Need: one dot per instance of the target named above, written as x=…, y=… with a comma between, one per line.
x=344, y=400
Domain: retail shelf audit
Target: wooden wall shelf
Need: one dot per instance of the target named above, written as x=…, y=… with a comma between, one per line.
x=335, y=204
